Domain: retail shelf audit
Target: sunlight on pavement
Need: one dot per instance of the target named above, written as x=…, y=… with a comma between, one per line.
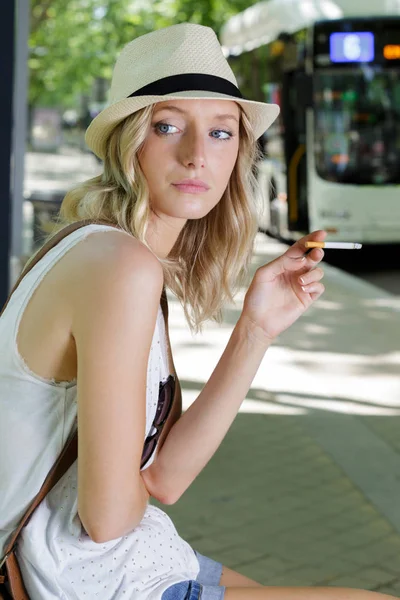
x=248, y=406
x=340, y=357
x=339, y=406
x=279, y=406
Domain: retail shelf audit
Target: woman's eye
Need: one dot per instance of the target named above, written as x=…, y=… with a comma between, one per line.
x=165, y=128
x=221, y=134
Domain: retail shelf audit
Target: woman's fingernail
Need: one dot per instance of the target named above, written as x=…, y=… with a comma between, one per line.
x=301, y=279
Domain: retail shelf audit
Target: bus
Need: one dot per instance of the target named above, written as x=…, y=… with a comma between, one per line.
x=332, y=158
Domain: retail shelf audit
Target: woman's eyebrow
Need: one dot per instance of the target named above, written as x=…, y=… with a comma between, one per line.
x=182, y=111
x=227, y=116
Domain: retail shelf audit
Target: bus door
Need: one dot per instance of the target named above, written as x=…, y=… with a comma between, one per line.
x=296, y=96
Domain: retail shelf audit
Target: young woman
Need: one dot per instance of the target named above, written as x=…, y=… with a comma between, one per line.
x=84, y=341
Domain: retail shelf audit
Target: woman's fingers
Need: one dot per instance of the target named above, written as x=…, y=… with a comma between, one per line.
x=298, y=257
x=313, y=258
x=318, y=293
x=311, y=276
x=298, y=249
x=313, y=288
x=316, y=255
x=309, y=282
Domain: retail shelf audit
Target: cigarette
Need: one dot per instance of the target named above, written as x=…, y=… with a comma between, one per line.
x=335, y=245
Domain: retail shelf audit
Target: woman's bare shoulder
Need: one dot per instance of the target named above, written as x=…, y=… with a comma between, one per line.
x=107, y=256
x=110, y=245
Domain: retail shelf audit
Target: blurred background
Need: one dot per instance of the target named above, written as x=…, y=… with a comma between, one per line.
x=331, y=160
x=305, y=488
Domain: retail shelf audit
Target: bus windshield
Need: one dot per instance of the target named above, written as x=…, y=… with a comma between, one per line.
x=357, y=125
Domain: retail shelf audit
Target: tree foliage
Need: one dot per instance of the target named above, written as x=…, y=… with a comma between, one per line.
x=73, y=42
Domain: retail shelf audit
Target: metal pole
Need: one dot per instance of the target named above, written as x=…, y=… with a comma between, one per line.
x=20, y=107
x=7, y=24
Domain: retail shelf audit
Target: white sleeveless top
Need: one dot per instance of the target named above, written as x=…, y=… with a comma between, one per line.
x=58, y=559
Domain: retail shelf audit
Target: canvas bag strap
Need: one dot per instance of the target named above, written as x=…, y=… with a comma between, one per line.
x=70, y=450
x=61, y=466
x=12, y=573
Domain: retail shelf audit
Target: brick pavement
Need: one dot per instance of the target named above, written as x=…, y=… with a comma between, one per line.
x=292, y=495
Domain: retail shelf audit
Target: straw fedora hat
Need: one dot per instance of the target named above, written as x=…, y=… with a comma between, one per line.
x=177, y=62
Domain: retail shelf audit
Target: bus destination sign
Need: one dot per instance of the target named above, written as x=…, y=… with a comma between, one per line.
x=357, y=46
x=346, y=42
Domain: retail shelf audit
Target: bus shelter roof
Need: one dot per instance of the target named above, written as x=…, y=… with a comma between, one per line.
x=263, y=22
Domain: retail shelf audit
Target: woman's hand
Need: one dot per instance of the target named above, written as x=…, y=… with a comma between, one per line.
x=282, y=290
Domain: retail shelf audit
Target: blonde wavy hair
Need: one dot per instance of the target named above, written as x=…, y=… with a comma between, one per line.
x=210, y=259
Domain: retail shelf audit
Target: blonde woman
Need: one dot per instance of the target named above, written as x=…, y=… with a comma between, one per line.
x=84, y=340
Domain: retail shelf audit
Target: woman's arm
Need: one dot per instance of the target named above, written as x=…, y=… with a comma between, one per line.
x=114, y=297
x=279, y=294
x=195, y=437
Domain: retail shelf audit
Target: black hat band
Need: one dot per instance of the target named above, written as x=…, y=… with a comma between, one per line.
x=188, y=81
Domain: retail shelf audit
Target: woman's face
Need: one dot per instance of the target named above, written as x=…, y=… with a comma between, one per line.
x=189, y=154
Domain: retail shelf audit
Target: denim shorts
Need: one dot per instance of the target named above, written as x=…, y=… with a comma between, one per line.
x=204, y=587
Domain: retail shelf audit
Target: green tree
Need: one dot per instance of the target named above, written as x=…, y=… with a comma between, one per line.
x=72, y=43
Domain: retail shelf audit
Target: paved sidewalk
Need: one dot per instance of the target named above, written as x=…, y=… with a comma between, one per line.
x=51, y=173
x=305, y=488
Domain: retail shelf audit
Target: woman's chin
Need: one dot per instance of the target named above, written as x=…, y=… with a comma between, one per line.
x=192, y=210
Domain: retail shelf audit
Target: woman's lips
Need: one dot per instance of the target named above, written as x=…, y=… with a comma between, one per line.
x=191, y=189
x=191, y=186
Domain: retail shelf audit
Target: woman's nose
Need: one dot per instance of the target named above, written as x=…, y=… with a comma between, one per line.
x=192, y=150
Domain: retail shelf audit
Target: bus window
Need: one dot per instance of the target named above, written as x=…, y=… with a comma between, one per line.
x=357, y=125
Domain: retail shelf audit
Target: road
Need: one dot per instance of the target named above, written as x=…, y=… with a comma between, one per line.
x=388, y=280
x=379, y=265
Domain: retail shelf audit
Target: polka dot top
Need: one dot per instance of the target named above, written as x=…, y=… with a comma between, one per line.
x=58, y=559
